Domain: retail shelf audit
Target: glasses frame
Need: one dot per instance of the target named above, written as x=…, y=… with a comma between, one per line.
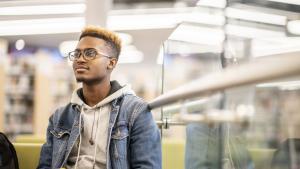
x=82, y=53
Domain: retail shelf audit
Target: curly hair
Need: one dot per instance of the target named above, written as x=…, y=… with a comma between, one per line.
x=111, y=38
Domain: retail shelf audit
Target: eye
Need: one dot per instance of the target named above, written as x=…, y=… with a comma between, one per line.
x=76, y=54
x=90, y=53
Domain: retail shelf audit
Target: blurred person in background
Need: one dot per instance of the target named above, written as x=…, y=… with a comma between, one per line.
x=287, y=153
x=105, y=125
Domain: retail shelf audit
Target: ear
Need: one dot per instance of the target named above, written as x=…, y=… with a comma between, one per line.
x=112, y=63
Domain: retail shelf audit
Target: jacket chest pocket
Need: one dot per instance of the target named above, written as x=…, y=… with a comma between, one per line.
x=119, y=140
x=60, y=135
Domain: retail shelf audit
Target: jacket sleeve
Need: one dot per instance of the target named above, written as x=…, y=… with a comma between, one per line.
x=145, y=143
x=46, y=151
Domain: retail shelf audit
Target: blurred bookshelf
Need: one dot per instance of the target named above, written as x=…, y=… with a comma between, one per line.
x=33, y=86
x=19, y=98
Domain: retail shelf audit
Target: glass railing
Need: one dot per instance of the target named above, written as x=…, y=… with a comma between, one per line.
x=231, y=89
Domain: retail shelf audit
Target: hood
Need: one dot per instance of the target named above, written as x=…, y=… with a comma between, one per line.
x=115, y=92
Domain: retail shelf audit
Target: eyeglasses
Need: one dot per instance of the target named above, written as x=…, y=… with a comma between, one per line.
x=88, y=54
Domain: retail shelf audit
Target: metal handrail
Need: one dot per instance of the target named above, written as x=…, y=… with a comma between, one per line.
x=166, y=123
x=211, y=116
x=257, y=71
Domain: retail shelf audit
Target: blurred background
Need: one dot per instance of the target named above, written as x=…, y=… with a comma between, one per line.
x=166, y=43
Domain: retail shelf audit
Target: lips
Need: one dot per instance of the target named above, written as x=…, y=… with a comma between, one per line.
x=81, y=68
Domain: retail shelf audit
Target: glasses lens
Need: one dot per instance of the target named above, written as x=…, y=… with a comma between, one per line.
x=90, y=54
x=74, y=55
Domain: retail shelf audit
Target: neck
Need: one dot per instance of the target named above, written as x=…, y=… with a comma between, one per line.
x=94, y=93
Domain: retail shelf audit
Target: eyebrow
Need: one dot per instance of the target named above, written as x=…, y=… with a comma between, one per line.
x=85, y=49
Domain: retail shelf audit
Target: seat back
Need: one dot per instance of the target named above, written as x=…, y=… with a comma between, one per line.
x=261, y=157
x=30, y=138
x=173, y=154
x=28, y=154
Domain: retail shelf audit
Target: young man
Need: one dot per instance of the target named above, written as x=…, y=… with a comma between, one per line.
x=105, y=126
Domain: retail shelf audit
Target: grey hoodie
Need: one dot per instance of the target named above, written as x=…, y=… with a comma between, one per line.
x=91, y=147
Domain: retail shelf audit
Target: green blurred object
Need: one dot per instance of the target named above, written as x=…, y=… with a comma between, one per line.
x=30, y=139
x=173, y=154
x=28, y=154
x=262, y=157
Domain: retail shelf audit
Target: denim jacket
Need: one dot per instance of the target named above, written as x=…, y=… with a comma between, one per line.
x=133, y=138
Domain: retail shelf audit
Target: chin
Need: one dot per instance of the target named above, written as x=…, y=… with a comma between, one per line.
x=80, y=79
x=88, y=80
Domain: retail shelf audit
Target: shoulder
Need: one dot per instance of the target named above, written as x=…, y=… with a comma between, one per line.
x=134, y=107
x=134, y=103
x=63, y=113
x=61, y=110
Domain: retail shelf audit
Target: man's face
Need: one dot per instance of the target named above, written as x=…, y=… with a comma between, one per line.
x=93, y=71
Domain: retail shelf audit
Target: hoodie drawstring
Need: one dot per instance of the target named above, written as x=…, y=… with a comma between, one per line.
x=78, y=153
x=79, y=147
x=95, y=150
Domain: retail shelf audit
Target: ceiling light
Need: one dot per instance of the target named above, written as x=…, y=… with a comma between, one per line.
x=43, y=9
x=294, y=27
x=243, y=13
x=205, y=18
x=163, y=20
x=274, y=45
x=197, y=34
x=20, y=44
x=41, y=26
x=250, y=32
x=293, y=2
x=143, y=21
x=212, y=3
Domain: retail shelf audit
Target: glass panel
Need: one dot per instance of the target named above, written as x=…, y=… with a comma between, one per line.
x=262, y=133
x=186, y=59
